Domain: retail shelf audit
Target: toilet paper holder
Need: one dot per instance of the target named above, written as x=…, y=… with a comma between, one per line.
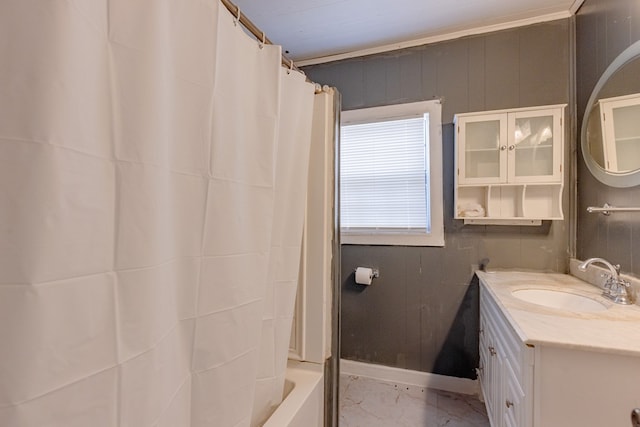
x=375, y=272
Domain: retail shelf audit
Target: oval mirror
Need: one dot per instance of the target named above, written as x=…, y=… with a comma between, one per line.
x=611, y=124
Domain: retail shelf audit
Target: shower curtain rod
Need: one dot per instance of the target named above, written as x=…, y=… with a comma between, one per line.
x=257, y=33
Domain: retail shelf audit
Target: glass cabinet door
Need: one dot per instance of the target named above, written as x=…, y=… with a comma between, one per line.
x=621, y=133
x=627, y=138
x=534, y=152
x=482, y=145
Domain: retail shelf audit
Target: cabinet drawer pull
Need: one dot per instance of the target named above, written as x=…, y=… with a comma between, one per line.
x=508, y=403
x=492, y=350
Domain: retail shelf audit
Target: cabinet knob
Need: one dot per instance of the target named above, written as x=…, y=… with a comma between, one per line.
x=508, y=403
x=492, y=350
x=635, y=417
x=503, y=147
x=512, y=147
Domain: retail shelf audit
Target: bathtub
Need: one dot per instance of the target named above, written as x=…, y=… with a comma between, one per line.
x=303, y=404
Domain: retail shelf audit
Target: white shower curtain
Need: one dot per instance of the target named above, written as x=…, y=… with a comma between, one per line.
x=286, y=243
x=150, y=214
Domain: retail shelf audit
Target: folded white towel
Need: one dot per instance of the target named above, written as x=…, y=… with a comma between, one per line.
x=470, y=210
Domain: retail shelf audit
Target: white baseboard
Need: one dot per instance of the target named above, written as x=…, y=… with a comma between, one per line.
x=408, y=377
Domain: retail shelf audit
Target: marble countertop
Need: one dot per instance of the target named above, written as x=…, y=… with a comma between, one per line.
x=615, y=330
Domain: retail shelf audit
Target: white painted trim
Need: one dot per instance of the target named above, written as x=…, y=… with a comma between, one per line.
x=409, y=377
x=575, y=6
x=439, y=38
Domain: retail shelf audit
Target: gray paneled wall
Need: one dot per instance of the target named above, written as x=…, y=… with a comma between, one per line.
x=604, y=28
x=421, y=313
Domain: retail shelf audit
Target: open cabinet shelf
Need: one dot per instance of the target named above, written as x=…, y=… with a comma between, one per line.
x=520, y=204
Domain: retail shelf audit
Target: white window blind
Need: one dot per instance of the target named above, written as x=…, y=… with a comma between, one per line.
x=384, y=173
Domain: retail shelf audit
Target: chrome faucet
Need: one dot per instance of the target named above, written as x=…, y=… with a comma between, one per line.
x=616, y=289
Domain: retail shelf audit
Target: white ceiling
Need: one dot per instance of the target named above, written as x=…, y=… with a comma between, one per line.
x=320, y=30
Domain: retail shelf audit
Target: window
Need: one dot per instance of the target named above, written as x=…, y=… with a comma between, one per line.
x=391, y=175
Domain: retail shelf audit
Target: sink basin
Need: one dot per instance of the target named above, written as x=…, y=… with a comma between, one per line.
x=560, y=300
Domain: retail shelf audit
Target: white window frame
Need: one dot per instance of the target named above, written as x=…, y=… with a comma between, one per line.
x=400, y=111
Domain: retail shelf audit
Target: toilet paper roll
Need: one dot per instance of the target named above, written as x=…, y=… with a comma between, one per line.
x=364, y=275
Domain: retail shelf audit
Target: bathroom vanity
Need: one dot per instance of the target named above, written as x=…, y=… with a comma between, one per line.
x=554, y=352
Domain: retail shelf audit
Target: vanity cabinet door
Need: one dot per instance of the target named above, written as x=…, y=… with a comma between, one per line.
x=507, y=375
x=514, y=399
x=491, y=361
x=482, y=365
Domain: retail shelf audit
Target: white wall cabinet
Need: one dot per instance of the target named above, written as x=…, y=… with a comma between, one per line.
x=510, y=165
x=551, y=386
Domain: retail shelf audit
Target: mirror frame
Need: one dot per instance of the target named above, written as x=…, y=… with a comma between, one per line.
x=623, y=180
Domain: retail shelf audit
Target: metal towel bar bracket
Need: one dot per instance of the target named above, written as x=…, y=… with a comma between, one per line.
x=607, y=209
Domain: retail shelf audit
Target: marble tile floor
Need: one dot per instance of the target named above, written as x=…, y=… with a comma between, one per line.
x=365, y=402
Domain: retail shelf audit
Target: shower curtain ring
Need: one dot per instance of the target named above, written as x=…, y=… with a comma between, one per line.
x=237, y=18
x=290, y=66
x=263, y=40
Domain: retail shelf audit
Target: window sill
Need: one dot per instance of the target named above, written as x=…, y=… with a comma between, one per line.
x=392, y=239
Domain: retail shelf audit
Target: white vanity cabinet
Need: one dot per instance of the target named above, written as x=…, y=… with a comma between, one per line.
x=509, y=163
x=555, y=383
x=505, y=370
